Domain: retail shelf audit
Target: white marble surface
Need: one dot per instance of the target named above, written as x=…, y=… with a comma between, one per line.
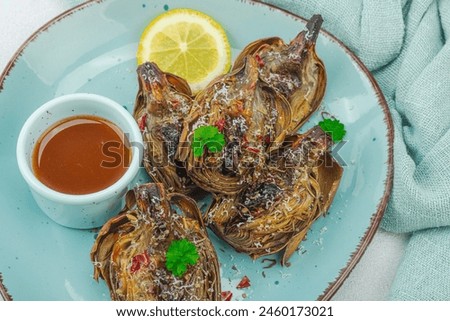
x=372, y=276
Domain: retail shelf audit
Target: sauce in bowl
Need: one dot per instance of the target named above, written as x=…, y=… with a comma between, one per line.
x=81, y=155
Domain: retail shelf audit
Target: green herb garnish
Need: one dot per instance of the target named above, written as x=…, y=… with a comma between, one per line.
x=334, y=127
x=180, y=254
x=208, y=136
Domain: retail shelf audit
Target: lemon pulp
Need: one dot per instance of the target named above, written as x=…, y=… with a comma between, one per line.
x=187, y=43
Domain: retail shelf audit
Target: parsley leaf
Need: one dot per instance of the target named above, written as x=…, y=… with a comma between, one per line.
x=206, y=132
x=180, y=254
x=216, y=143
x=334, y=127
x=208, y=136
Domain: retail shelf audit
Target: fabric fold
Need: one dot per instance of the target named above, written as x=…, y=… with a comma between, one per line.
x=423, y=274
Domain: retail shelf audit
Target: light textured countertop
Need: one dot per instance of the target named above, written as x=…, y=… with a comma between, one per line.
x=372, y=276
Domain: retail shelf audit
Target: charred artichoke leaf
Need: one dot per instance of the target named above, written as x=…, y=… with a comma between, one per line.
x=329, y=174
x=252, y=117
x=130, y=250
x=276, y=212
x=162, y=102
x=293, y=69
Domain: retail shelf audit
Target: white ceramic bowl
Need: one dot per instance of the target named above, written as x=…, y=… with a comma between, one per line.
x=78, y=211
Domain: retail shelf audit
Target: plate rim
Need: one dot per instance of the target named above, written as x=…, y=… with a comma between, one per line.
x=376, y=217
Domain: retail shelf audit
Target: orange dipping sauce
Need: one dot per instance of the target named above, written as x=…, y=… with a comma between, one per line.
x=81, y=155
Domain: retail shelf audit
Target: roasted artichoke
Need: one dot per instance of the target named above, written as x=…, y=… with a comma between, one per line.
x=294, y=70
x=162, y=103
x=251, y=115
x=297, y=187
x=130, y=251
x=269, y=183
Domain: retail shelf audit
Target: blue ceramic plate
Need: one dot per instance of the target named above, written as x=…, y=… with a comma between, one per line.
x=92, y=49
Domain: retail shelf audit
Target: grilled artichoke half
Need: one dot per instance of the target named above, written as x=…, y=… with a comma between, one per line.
x=251, y=115
x=130, y=250
x=276, y=213
x=293, y=69
x=162, y=103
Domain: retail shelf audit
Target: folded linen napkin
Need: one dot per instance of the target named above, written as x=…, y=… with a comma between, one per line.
x=404, y=43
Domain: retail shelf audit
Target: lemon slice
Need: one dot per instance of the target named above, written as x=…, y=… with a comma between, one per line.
x=187, y=43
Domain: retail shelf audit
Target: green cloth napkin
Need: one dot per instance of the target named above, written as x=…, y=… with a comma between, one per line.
x=403, y=42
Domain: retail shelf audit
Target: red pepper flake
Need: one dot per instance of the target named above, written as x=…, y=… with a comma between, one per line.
x=175, y=103
x=226, y=295
x=244, y=141
x=139, y=261
x=259, y=60
x=253, y=150
x=245, y=283
x=266, y=138
x=142, y=122
x=220, y=124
